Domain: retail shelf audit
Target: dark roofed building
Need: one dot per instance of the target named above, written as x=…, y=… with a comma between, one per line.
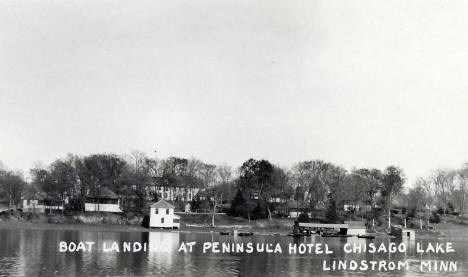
x=38, y=202
x=102, y=200
x=103, y=193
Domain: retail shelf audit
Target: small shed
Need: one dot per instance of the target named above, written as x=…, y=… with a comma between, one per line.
x=404, y=233
x=162, y=215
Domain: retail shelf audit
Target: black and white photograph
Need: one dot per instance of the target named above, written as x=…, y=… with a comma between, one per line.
x=208, y=138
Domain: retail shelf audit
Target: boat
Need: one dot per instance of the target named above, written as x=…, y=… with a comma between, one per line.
x=245, y=234
x=366, y=236
x=334, y=235
x=298, y=235
x=224, y=233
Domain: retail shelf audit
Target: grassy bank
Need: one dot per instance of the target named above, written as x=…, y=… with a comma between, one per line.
x=224, y=221
x=102, y=221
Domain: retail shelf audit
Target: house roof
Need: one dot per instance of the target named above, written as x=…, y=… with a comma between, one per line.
x=103, y=192
x=30, y=195
x=292, y=204
x=162, y=204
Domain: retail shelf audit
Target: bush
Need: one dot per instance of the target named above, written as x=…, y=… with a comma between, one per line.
x=303, y=217
x=435, y=218
x=412, y=212
x=145, y=222
x=440, y=210
x=331, y=214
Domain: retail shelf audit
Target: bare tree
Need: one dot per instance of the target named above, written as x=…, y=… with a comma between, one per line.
x=462, y=175
x=310, y=176
x=224, y=174
x=430, y=192
x=444, y=185
x=137, y=160
x=208, y=175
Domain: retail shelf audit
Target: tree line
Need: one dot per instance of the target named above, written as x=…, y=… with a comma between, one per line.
x=255, y=189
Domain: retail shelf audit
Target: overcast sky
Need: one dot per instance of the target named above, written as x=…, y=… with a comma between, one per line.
x=358, y=83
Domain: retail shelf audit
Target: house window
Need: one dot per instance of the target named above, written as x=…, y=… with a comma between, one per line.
x=167, y=211
x=162, y=220
x=155, y=211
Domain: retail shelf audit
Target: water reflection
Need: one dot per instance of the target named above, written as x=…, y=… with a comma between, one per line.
x=36, y=253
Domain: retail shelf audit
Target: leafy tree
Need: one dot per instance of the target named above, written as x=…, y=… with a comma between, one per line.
x=331, y=214
x=242, y=206
x=11, y=186
x=64, y=180
x=256, y=179
x=366, y=184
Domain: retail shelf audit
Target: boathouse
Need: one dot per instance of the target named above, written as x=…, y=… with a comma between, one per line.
x=356, y=228
x=162, y=215
x=324, y=227
x=353, y=228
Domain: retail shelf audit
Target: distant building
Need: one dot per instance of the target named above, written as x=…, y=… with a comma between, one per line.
x=177, y=188
x=350, y=206
x=295, y=207
x=103, y=200
x=39, y=203
x=356, y=228
x=162, y=215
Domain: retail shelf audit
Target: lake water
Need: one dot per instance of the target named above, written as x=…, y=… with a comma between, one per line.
x=37, y=253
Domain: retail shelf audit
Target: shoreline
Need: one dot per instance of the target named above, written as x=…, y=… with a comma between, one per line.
x=21, y=225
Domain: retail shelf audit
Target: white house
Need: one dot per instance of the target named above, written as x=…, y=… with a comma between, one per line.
x=104, y=200
x=162, y=215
